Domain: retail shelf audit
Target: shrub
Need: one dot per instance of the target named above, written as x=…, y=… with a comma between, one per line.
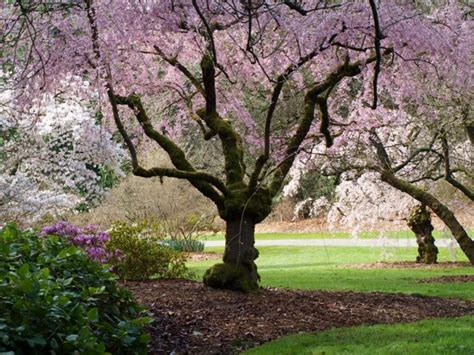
x=88, y=238
x=143, y=254
x=185, y=245
x=55, y=300
x=188, y=227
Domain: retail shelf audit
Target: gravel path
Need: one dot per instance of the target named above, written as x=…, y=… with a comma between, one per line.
x=333, y=242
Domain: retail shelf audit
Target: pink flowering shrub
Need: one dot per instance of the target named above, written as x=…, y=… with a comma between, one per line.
x=88, y=238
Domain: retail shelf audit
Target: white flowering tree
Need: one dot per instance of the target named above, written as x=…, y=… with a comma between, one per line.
x=53, y=159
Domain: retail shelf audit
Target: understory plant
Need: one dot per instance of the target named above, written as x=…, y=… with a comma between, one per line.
x=55, y=299
x=185, y=245
x=89, y=238
x=184, y=231
x=143, y=254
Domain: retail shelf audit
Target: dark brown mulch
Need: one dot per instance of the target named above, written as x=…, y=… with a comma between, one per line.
x=193, y=319
x=407, y=264
x=448, y=279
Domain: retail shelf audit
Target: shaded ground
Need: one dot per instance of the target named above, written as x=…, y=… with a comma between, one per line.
x=193, y=319
x=407, y=265
x=447, y=279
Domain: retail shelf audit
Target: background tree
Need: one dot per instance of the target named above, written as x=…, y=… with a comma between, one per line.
x=174, y=67
x=419, y=135
x=53, y=159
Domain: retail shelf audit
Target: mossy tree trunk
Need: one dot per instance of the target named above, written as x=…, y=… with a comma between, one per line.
x=419, y=222
x=238, y=271
x=387, y=174
x=442, y=211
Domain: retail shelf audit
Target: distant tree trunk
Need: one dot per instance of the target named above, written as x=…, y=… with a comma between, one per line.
x=419, y=222
x=443, y=212
x=239, y=271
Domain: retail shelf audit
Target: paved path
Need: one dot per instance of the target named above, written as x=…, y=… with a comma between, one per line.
x=335, y=242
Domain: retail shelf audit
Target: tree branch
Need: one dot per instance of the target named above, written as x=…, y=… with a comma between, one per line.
x=230, y=139
x=205, y=183
x=178, y=65
x=448, y=174
x=378, y=37
x=185, y=169
x=282, y=78
x=311, y=99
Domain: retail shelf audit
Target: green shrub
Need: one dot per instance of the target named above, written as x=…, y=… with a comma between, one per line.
x=55, y=300
x=143, y=254
x=185, y=245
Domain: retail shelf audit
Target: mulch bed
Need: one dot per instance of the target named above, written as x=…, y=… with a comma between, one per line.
x=407, y=264
x=191, y=318
x=203, y=256
x=448, y=279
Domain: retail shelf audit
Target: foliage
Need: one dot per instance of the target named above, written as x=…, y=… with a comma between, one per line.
x=54, y=299
x=185, y=230
x=313, y=184
x=88, y=238
x=143, y=255
x=186, y=245
x=189, y=226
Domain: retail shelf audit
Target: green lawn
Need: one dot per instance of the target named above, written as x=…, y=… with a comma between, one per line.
x=439, y=336
x=330, y=269
x=322, y=235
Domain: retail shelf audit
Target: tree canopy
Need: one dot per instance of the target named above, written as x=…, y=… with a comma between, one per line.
x=228, y=69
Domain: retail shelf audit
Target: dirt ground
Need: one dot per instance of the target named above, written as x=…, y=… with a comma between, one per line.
x=190, y=318
x=448, y=279
x=406, y=265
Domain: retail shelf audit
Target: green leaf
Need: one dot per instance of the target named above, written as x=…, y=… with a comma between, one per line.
x=23, y=271
x=45, y=273
x=26, y=286
x=68, y=281
x=36, y=340
x=72, y=337
x=93, y=315
x=9, y=231
x=54, y=344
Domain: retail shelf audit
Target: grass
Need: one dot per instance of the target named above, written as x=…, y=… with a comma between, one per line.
x=330, y=269
x=404, y=234
x=439, y=336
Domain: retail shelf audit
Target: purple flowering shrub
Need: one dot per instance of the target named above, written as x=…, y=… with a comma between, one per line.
x=88, y=238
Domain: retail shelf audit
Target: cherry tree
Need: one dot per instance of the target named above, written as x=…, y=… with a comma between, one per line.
x=164, y=70
x=422, y=134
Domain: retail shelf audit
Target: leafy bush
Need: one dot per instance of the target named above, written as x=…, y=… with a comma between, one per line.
x=186, y=245
x=143, y=254
x=54, y=299
x=88, y=238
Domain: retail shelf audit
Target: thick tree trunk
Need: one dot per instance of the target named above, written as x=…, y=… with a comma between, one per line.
x=444, y=213
x=419, y=222
x=239, y=271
